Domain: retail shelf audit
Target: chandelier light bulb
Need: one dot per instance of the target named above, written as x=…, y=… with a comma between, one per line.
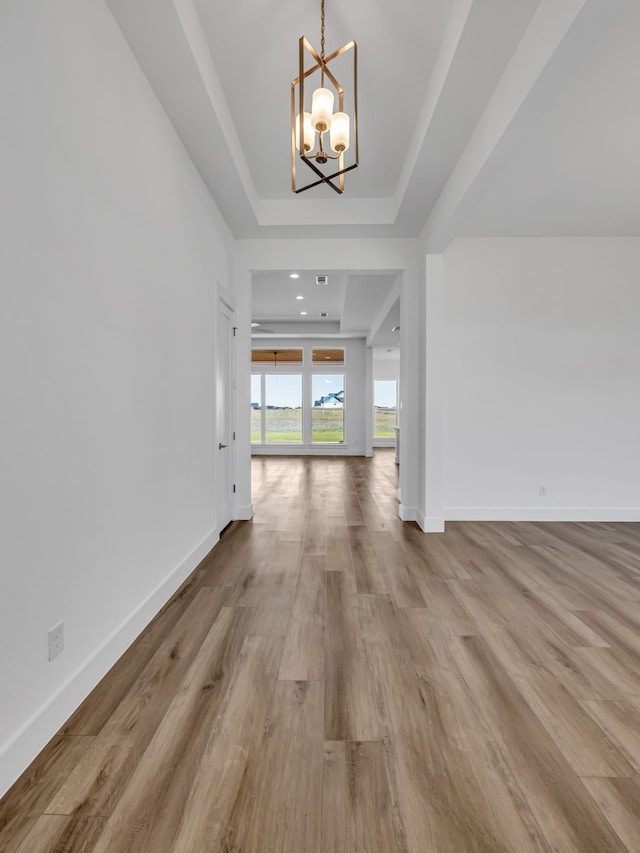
x=340, y=132
x=308, y=132
x=321, y=109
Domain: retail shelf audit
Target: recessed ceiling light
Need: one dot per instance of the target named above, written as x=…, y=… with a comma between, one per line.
x=299, y=297
x=253, y=325
x=294, y=275
x=303, y=312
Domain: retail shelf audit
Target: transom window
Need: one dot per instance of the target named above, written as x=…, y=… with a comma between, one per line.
x=327, y=356
x=276, y=356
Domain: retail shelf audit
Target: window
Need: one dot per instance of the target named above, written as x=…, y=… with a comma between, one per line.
x=296, y=408
x=327, y=356
x=275, y=357
x=256, y=407
x=385, y=408
x=327, y=412
x=283, y=407
x=276, y=408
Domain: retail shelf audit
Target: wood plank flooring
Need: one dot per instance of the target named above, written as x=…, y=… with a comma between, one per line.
x=331, y=680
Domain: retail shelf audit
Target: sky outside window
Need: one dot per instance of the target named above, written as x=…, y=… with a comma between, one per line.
x=384, y=394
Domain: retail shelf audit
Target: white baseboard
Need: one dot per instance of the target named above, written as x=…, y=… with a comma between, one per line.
x=243, y=513
x=538, y=513
x=407, y=513
x=22, y=748
x=426, y=524
x=306, y=450
x=432, y=524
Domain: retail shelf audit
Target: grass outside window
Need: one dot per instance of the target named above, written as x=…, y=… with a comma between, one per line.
x=385, y=422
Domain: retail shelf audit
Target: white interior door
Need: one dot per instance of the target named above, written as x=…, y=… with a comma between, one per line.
x=224, y=423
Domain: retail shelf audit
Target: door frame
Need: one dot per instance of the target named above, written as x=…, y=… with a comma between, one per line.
x=224, y=303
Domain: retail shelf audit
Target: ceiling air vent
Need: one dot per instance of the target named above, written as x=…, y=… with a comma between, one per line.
x=322, y=279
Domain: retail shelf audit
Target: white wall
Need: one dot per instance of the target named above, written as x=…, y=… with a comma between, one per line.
x=542, y=353
x=386, y=367
x=110, y=249
x=355, y=410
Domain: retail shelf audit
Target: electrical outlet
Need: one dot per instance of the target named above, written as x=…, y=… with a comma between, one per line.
x=56, y=640
x=542, y=491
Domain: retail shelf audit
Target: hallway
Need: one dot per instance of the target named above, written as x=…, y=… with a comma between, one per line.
x=330, y=680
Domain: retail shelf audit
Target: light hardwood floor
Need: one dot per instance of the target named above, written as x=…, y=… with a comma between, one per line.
x=330, y=680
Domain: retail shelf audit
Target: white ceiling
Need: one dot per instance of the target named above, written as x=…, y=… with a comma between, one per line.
x=354, y=303
x=223, y=72
x=578, y=171
x=476, y=117
x=255, y=48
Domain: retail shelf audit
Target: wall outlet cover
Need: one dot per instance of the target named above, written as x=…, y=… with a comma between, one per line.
x=56, y=640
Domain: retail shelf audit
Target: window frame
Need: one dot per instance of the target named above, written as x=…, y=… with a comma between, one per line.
x=307, y=369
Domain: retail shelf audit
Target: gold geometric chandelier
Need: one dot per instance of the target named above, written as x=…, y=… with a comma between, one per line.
x=313, y=119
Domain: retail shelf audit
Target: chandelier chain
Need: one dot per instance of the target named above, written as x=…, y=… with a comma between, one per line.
x=322, y=30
